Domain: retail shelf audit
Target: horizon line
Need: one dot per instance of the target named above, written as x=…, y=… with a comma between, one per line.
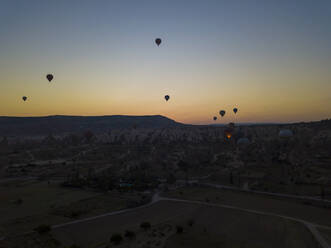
x=155, y=115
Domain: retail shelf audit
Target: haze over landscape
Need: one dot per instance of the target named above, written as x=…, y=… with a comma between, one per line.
x=270, y=59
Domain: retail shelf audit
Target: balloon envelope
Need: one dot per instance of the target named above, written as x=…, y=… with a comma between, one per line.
x=222, y=113
x=215, y=118
x=228, y=133
x=158, y=41
x=167, y=97
x=235, y=110
x=49, y=77
x=24, y=98
x=285, y=133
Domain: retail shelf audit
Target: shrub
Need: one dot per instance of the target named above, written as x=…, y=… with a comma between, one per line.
x=145, y=225
x=171, y=179
x=190, y=222
x=56, y=242
x=42, y=229
x=130, y=234
x=19, y=201
x=179, y=229
x=116, y=238
x=75, y=214
x=74, y=246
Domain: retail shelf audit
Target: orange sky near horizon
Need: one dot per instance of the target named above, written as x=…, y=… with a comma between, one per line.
x=270, y=61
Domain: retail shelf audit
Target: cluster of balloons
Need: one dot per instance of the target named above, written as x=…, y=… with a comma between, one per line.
x=223, y=112
x=50, y=77
x=158, y=42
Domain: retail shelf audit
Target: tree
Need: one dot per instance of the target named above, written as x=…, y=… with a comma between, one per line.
x=179, y=229
x=74, y=246
x=42, y=229
x=130, y=234
x=190, y=222
x=116, y=238
x=145, y=225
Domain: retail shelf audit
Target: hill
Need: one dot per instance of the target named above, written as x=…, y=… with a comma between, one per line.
x=27, y=126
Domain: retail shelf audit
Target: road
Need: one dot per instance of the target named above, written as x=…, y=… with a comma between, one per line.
x=296, y=197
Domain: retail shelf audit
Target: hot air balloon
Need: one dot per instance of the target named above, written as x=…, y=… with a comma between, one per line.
x=222, y=113
x=167, y=97
x=285, y=133
x=24, y=98
x=235, y=110
x=228, y=133
x=215, y=118
x=49, y=77
x=158, y=41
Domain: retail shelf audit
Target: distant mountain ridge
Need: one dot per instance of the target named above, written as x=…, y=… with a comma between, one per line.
x=60, y=124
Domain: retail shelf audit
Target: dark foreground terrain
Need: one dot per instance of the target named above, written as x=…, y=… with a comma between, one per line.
x=151, y=182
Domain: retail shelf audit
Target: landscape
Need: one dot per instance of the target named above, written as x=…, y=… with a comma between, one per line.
x=87, y=186
x=165, y=124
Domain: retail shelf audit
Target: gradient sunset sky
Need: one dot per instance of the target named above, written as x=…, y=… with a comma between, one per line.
x=271, y=59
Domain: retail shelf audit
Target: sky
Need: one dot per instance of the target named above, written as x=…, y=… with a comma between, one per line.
x=270, y=59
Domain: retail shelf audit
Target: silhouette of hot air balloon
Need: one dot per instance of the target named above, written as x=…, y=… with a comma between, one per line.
x=158, y=41
x=235, y=110
x=49, y=77
x=222, y=113
x=24, y=98
x=167, y=97
x=215, y=118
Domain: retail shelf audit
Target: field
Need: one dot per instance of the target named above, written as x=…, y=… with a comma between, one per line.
x=227, y=228
x=216, y=227
x=25, y=205
x=295, y=209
